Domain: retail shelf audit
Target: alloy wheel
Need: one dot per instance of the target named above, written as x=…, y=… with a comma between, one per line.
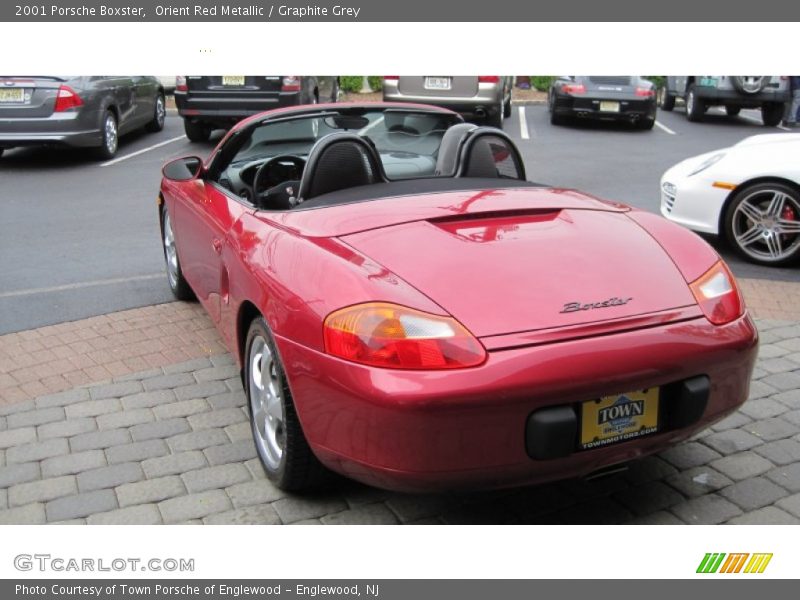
x=266, y=403
x=170, y=252
x=766, y=225
x=110, y=130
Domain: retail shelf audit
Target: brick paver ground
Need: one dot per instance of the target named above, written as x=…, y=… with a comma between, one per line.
x=163, y=437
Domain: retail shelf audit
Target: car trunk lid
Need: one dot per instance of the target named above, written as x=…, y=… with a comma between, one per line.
x=553, y=267
x=28, y=97
x=215, y=85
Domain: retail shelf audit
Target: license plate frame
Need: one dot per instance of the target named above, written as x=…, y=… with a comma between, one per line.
x=442, y=84
x=233, y=80
x=12, y=95
x=619, y=418
x=609, y=106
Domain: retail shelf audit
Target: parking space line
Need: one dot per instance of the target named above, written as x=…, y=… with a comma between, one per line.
x=142, y=151
x=523, y=124
x=663, y=127
x=76, y=286
x=758, y=120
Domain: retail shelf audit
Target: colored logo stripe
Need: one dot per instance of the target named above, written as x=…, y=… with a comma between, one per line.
x=734, y=563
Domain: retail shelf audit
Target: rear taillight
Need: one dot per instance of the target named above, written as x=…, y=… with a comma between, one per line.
x=488, y=79
x=387, y=335
x=573, y=88
x=717, y=294
x=645, y=92
x=290, y=83
x=391, y=77
x=67, y=98
x=180, y=84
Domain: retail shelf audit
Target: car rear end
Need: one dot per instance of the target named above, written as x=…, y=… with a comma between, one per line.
x=535, y=369
x=742, y=91
x=223, y=100
x=607, y=98
x=474, y=97
x=47, y=110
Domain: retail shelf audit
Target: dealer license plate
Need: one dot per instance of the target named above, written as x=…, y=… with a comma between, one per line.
x=606, y=106
x=12, y=95
x=437, y=83
x=618, y=418
x=233, y=80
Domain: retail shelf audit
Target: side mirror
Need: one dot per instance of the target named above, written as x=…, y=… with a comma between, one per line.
x=183, y=169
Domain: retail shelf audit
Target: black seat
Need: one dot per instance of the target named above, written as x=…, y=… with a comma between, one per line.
x=337, y=162
x=489, y=152
x=450, y=148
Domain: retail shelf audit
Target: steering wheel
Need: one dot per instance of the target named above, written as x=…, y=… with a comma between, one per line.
x=281, y=194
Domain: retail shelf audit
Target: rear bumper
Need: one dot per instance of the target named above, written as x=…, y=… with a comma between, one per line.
x=65, y=129
x=487, y=100
x=591, y=107
x=423, y=431
x=713, y=95
x=226, y=110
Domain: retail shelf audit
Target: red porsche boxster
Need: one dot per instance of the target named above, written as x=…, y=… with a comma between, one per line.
x=409, y=311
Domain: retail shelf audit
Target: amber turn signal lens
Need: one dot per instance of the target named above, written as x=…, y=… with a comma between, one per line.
x=717, y=294
x=396, y=337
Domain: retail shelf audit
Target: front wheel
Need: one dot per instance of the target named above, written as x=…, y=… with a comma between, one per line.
x=179, y=287
x=772, y=113
x=695, y=108
x=279, y=439
x=196, y=132
x=762, y=222
x=159, y=115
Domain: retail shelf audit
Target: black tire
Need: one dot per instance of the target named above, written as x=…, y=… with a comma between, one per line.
x=738, y=221
x=1, y=152
x=109, y=143
x=771, y=113
x=495, y=119
x=159, y=115
x=507, y=107
x=196, y=132
x=178, y=285
x=557, y=119
x=666, y=101
x=733, y=111
x=296, y=469
x=695, y=107
x=645, y=124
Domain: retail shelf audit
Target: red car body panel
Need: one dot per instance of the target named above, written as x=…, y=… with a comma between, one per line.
x=503, y=262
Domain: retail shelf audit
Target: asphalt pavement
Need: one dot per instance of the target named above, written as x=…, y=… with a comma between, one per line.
x=80, y=238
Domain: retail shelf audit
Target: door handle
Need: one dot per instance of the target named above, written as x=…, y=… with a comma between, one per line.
x=217, y=245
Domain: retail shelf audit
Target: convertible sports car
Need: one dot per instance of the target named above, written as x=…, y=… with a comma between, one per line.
x=748, y=193
x=607, y=98
x=409, y=311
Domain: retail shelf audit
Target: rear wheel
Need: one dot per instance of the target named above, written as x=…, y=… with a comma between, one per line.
x=159, y=114
x=177, y=284
x=762, y=222
x=645, y=124
x=110, y=137
x=695, y=107
x=495, y=119
x=196, y=132
x=666, y=101
x=772, y=113
x=1, y=152
x=280, y=443
x=733, y=110
x=507, y=107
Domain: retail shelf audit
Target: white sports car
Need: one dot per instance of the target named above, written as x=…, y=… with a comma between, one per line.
x=748, y=193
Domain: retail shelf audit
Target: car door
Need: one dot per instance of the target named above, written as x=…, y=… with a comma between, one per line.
x=145, y=93
x=203, y=218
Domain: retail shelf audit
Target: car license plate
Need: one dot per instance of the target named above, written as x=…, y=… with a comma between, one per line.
x=437, y=83
x=609, y=106
x=618, y=418
x=233, y=80
x=708, y=81
x=13, y=95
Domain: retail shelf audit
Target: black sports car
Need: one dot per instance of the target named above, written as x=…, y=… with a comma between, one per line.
x=618, y=98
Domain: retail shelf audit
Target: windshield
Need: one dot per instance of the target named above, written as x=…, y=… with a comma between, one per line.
x=407, y=140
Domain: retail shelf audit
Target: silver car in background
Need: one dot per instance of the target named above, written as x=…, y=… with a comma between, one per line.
x=78, y=111
x=482, y=97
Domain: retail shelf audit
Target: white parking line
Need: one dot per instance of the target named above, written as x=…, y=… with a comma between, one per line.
x=758, y=120
x=76, y=286
x=523, y=124
x=142, y=151
x=663, y=127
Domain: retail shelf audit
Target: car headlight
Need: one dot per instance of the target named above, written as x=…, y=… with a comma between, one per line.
x=711, y=160
x=670, y=189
